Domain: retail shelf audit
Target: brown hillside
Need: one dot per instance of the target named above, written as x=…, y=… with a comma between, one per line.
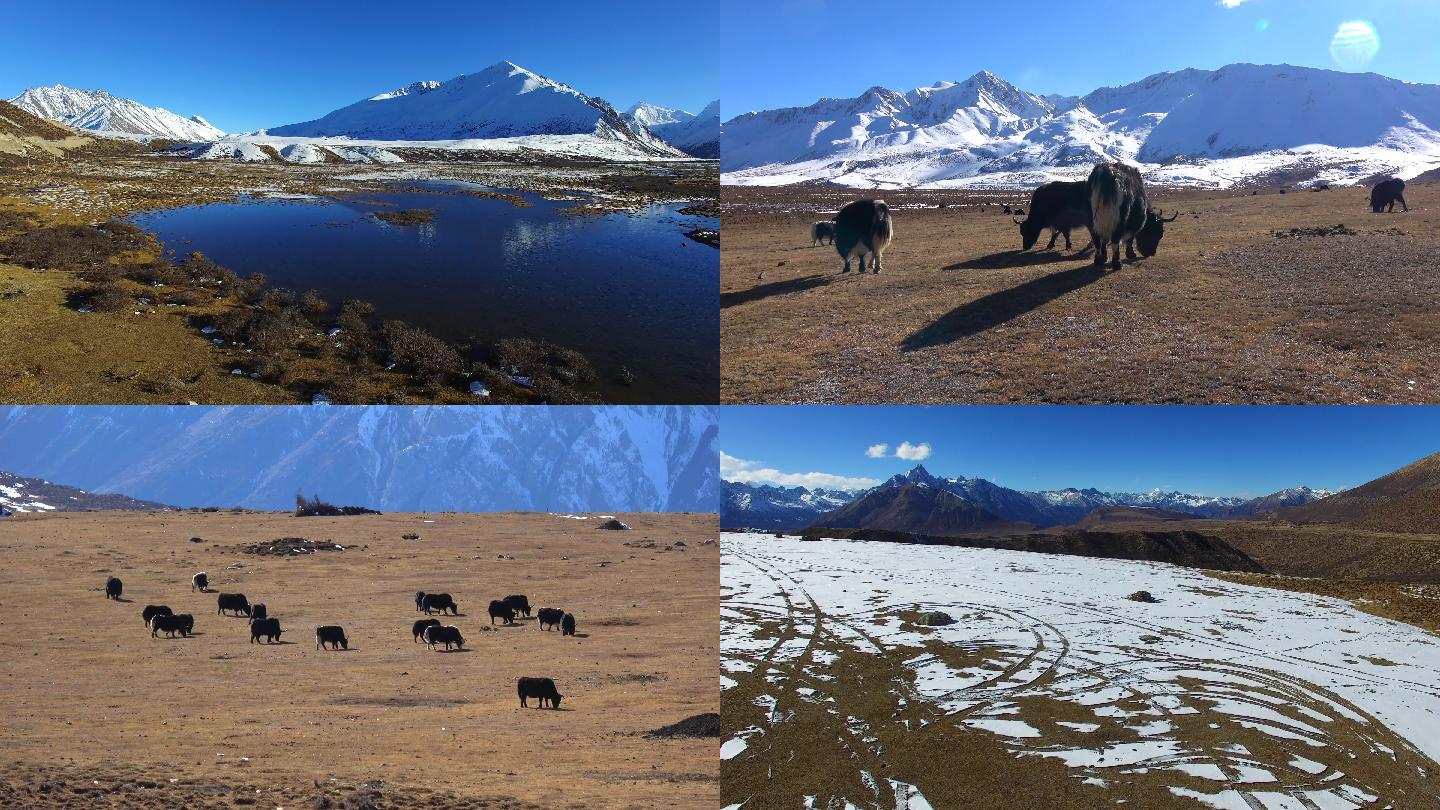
x=1112, y=517
x=1179, y=547
x=17, y=122
x=1356, y=504
x=1419, y=512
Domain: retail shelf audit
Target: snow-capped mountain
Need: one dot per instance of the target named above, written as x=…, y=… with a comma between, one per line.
x=99, y=111
x=744, y=506
x=652, y=115
x=764, y=506
x=695, y=135
x=1222, y=127
x=19, y=494
x=501, y=101
x=485, y=458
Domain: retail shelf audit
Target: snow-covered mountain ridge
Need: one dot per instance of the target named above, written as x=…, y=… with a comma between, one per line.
x=484, y=458
x=501, y=101
x=102, y=112
x=768, y=507
x=1235, y=125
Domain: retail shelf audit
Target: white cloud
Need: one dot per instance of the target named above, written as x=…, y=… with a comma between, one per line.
x=913, y=452
x=1231, y=3
x=750, y=472
x=877, y=450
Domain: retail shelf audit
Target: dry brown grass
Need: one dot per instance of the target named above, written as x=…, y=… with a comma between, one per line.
x=87, y=694
x=1413, y=604
x=1226, y=313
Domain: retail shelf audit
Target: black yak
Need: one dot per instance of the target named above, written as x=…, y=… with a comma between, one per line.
x=1387, y=193
x=332, y=634
x=170, y=625
x=200, y=581
x=500, y=610
x=1059, y=206
x=438, y=601
x=551, y=617
x=519, y=602
x=863, y=228
x=234, y=602
x=269, y=628
x=567, y=625
x=822, y=230
x=1119, y=212
x=114, y=588
x=447, y=635
x=542, y=688
x=154, y=610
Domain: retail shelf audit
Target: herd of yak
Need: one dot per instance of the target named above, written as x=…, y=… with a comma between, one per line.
x=161, y=619
x=1111, y=205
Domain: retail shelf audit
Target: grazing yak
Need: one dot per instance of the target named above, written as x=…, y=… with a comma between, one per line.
x=822, y=230
x=520, y=603
x=420, y=626
x=1059, y=206
x=567, y=625
x=200, y=581
x=183, y=624
x=332, y=634
x=1119, y=212
x=154, y=610
x=113, y=588
x=500, y=610
x=269, y=628
x=863, y=228
x=419, y=600
x=438, y=601
x=551, y=617
x=447, y=635
x=258, y=611
x=542, y=688
x=234, y=602
x=1387, y=193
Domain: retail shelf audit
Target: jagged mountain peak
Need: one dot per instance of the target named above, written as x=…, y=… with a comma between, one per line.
x=1186, y=127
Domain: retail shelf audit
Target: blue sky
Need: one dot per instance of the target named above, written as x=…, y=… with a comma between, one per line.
x=792, y=52
x=1245, y=451
x=244, y=67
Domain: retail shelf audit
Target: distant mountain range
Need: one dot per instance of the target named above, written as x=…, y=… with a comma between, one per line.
x=1239, y=124
x=19, y=494
x=504, y=101
x=99, y=111
x=776, y=508
x=695, y=135
x=985, y=504
x=485, y=458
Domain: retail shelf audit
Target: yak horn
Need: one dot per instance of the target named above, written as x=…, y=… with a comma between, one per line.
x=1017, y=221
x=1163, y=219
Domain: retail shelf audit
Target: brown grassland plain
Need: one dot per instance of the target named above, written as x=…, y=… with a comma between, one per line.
x=97, y=713
x=1235, y=308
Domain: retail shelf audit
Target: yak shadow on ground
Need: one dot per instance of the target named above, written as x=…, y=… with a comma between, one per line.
x=764, y=291
x=995, y=309
x=1006, y=259
x=461, y=650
